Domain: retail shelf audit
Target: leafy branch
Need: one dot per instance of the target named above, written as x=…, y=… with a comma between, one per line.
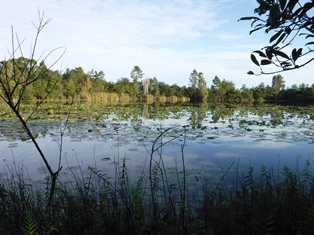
x=287, y=20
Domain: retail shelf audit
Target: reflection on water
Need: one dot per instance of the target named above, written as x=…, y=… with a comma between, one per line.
x=216, y=135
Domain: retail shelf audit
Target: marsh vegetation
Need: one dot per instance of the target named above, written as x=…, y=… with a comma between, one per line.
x=160, y=169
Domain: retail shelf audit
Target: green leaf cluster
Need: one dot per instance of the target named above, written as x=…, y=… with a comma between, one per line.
x=287, y=20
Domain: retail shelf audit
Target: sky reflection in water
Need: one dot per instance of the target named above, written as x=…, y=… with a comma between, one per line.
x=208, y=147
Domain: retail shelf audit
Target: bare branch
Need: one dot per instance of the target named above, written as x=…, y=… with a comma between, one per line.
x=16, y=74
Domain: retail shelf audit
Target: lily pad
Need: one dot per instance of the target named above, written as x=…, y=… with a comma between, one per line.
x=105, y=159
x=13, y=145
x=211, y=137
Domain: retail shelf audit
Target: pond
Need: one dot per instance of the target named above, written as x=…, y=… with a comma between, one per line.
x=210, y=138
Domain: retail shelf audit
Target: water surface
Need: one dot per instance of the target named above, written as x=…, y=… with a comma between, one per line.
x=209, y=137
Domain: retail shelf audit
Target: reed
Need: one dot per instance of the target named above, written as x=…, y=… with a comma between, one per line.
x=270, y=201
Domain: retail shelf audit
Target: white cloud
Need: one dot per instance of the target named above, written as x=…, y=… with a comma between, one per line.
x=229, y=36
x=167, y=39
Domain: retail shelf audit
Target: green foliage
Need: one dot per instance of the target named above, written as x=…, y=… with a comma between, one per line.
x=136, y=75
x=198, y=89
x=270, y=202
x=30, y=225
x=224, y=90
x=76, y=84
x=287, y=20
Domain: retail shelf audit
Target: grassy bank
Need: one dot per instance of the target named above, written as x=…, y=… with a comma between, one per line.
x=160, y=202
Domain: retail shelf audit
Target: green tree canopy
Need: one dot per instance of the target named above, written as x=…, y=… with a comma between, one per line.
x=136, y=75
x=99, y=83
x=198, y=89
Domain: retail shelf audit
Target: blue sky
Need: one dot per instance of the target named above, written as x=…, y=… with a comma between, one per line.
x=166, y=38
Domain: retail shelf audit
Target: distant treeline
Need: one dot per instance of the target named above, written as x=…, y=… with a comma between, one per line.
x=92, y=85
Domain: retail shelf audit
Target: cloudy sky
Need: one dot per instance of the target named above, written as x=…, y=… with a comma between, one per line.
x=167, y=39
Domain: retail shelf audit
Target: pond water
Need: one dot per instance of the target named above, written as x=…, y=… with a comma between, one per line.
x=210, y=137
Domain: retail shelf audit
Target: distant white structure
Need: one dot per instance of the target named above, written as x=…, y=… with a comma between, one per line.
x=146, y=83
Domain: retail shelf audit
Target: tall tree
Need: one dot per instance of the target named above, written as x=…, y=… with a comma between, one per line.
x=287, y=20
x=278, y=82
x=97, y=75
x=202, y=87
x=216, y=83
x=81, y=80
x=98, y=81
x=277, y=85
x=123, y=85
x=136, y=75
x=246, y=93
x=224, y=89
x=198, y=89
x=154, y=88
x=164, y=88
x=193, y=82
x=69, y=88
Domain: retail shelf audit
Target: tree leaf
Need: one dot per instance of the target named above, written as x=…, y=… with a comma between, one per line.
x=249, y=18
x=250, y=73
x=307, y=6
x=275, y=36
x=297, y=12
x=308, y=24
x=282, y=54
x=291, y=4
x=288, y=30
x=256, y=26
x=309, y=43
x=280, y=39
x=296, y=54
x=285, y=64
x=265, y=62
x=283, y=4
x=256, y=29
x=260, y=53
x=269, y=53
x=254, y=60
x=309, y=36
x=253, y=22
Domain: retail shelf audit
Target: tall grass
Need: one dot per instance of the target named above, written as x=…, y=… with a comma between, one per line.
x=160, y=202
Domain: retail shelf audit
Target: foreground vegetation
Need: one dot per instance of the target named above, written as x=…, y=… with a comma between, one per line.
x=273, y=201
